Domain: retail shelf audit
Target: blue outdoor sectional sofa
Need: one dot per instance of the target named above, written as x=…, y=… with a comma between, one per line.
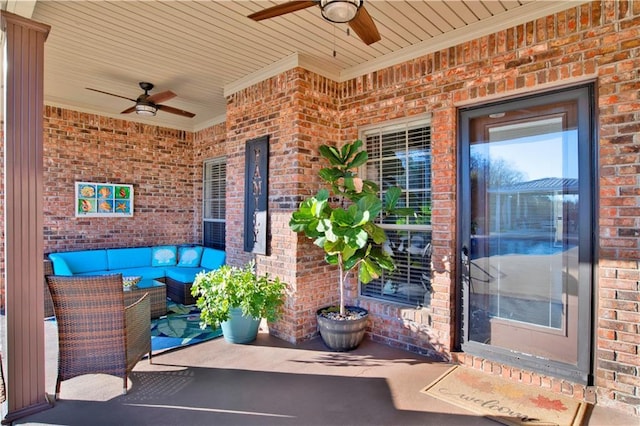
x=174, y=265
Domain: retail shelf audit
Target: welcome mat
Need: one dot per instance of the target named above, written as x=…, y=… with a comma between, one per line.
x=504, y=401
x=180, y=327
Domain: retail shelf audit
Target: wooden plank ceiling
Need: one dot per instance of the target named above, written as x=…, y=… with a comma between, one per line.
x=197, y=49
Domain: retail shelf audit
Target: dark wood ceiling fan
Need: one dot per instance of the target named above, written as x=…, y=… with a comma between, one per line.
x=362, y=24
x=147, y=104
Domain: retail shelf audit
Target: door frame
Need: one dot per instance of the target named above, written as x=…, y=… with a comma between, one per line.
x=585, y=96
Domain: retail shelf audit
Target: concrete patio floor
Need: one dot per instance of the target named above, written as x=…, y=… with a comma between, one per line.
x=268, y=382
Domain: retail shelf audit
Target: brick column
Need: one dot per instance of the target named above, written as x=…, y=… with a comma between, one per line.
x=298, y=109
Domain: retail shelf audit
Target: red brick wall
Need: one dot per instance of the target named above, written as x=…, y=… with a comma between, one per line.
x=617, y=57
x=298, y=110
x=208, y=144
x=157, y=161
x=598, y=40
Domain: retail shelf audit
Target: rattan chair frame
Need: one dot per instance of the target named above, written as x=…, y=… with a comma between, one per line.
x=96, y=332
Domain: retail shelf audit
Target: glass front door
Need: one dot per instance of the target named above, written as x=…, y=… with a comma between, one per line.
x=526, y=231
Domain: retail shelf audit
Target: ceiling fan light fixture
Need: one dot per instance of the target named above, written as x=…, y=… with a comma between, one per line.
x=340, y=11
x=147, y=109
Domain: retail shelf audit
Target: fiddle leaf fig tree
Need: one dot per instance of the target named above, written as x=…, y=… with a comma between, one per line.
x=341, y=218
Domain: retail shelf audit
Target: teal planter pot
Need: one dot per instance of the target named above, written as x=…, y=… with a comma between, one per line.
x=239, y=328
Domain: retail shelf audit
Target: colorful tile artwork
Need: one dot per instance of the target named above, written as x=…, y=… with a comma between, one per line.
x=103, y=200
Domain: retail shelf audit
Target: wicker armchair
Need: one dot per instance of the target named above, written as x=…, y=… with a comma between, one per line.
x=96, y=333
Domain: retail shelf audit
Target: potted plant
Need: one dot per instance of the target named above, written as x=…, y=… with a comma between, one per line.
x=341, y=220
x=236, y=298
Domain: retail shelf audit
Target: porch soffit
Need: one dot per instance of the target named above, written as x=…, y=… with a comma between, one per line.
x=205, y=51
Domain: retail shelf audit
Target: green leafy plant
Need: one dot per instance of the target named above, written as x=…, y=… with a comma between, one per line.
x=228, y=287
x=422, y=218
x=344, y=226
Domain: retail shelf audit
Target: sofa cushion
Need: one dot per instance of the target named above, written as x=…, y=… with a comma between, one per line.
x=60, y=267
x=163, y=256
x=184, y=275
x=148, y=273
x=79, y=262
x=93, y=273
x=189, y=257
x=212, y=258
x=123, y=258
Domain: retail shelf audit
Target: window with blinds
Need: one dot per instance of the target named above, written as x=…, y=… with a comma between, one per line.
x=214, y=208
x=400, y=155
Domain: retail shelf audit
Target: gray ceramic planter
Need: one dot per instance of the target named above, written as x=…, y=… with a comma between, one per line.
x=343, y=335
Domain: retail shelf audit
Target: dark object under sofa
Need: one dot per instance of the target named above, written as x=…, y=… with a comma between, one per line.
x=179, y=292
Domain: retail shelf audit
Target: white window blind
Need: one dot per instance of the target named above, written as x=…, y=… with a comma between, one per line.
x=400, y=155
x=214, y=207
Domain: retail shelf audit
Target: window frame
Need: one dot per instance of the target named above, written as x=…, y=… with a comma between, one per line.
x=390, y=127
x=213, y=162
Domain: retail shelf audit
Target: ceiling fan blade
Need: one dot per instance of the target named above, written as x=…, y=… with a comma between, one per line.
x=281, y=9
x=161, y=97
x=110, y=94
x=128, y=110
x=364, y=26
x=177, y=111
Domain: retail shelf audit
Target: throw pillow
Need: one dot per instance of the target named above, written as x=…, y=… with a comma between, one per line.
x=163, y=256
x=189, y=256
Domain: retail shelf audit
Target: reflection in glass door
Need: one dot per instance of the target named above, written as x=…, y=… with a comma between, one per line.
x=526, y=221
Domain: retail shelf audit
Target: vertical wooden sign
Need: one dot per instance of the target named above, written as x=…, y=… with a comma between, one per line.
x=256, y=195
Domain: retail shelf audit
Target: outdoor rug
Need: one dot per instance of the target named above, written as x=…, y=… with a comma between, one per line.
x=180, y=327
x=504, y=401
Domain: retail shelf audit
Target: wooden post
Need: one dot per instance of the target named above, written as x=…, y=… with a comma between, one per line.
x=23, y=139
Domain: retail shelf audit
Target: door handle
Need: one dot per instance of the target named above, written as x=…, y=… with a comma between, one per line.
x=464, y=256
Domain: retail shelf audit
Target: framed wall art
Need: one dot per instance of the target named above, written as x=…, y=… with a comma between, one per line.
x=103, y=199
